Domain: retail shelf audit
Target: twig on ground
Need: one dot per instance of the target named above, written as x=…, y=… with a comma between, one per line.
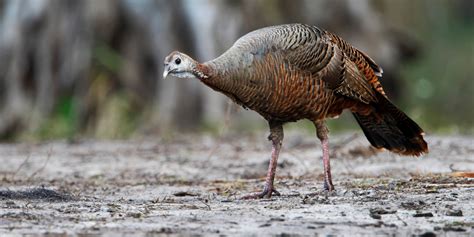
x=451, y=167
x=205, y=202
x=25, y=161
x=400, y=219
x=42, y=167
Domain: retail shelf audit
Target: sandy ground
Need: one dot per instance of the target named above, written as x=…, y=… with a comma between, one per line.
x=191, y=185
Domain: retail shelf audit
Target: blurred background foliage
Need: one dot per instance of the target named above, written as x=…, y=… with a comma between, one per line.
x=89, y=68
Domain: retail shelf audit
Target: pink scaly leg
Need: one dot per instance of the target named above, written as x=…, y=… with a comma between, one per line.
x=322, y=133
x=276, y=136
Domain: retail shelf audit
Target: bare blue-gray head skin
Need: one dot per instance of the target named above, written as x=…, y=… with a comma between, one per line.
x=179, y=65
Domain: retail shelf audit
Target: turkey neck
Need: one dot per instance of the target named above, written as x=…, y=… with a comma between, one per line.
x=222, y=72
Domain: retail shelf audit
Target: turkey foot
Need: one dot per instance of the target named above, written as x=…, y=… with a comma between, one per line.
x=276, y=136
x=328, y=186
x=322, y=133
x=266, y=193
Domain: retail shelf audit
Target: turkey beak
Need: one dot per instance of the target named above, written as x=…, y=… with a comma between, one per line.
x=166, y=71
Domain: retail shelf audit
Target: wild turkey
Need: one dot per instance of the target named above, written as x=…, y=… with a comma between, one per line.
x=291, y=72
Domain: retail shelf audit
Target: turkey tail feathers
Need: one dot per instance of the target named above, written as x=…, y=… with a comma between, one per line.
x=388, y=127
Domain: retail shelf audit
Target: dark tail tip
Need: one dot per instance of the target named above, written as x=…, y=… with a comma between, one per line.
x=388, y=127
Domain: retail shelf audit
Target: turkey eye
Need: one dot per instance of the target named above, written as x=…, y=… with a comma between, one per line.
x=177, y=61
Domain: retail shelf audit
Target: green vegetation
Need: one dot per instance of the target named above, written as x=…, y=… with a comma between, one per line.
x=113, y=108
x=62, y=124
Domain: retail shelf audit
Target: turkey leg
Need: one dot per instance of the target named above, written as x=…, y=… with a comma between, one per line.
x=276, y=137
x=322, y=133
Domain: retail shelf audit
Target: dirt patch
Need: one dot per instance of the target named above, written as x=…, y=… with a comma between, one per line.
x=192, y=185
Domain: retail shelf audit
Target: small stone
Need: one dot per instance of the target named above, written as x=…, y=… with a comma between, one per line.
x=454, y=213
x=423, y=214
x=382, y=211
x=454, y=228
x=165, y=230
x=265, y=225
x=375, y=216
x=277, y=219
x=428, y=234
x=134, y=214
x=10, y=203
x=184, y=194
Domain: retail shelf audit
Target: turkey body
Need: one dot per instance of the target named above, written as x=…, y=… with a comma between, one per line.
x=287, y=73
x=291, y=72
